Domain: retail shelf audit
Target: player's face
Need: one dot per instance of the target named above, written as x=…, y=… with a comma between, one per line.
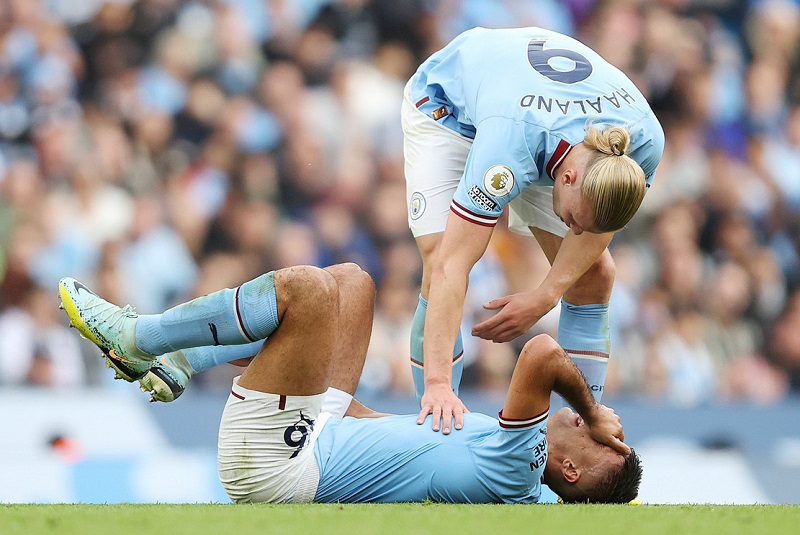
x=572, y=207
x=569, y=429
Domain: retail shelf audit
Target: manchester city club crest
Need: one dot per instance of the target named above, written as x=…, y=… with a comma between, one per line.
x=417, y=206
x=498, y=181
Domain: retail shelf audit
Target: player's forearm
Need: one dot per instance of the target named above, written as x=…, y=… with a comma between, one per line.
x=575, y=256
x=462, y=245
x=445, y=308
x=569, y=382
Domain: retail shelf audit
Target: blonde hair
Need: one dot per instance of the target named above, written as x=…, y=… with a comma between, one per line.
x=613, y=182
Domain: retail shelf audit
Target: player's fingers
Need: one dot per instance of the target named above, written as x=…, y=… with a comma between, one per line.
x=501, y=337
x=426, y=410
x=620, y=446
x=505, y=335
x=437, y=417
x=482, y=327
x=494, y=304
x=490, y=324
x=447, y=417
x=488, y=329
x=459, y=416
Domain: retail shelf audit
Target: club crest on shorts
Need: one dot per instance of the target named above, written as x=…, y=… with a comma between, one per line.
x=417, y=205
x=498, y=181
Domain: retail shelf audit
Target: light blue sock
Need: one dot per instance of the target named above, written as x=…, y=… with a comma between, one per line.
x=241, y=315
x=584, y=334
x=204, y=358
x=417, y=353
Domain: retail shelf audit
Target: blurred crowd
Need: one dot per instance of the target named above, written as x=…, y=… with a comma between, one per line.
x=162, y=149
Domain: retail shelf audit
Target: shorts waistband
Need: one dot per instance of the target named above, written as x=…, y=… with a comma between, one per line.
x=283, y=400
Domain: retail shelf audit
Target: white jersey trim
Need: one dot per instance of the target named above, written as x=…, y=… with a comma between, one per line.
x=511, y=423
x=486, y=221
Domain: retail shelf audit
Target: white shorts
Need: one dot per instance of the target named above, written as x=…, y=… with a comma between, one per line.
x=534, y=208
x=266, y=446
x=435, y=158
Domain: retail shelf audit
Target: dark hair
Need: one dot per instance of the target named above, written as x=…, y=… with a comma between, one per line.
x=620, y=485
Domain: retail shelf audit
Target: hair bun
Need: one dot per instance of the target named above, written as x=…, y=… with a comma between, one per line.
x=612, y=141
x=618, y=139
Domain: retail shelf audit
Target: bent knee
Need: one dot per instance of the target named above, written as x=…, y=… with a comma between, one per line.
x=363, y=280
x=356, y=272
x=595, y=285
x=540, y=347
x=307, y=283
x=352, y=277
x=541, y=343
x=428, y=246
x=604, y=270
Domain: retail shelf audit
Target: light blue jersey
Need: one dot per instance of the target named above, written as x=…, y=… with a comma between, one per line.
x=525, y=96
x=393, y=459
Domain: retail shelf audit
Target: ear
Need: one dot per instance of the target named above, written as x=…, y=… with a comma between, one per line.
x=569, y=176
x=570, y=472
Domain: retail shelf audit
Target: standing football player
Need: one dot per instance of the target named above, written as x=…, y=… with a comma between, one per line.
x=535, y=120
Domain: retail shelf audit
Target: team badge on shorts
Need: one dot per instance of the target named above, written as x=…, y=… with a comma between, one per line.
x=498, y=181
x=417, y=206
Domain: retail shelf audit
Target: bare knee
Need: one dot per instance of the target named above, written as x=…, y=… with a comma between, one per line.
x=603, y=271
x=351, y=278
x=539, y=347
x=538, y=353
x=307, y=284
x=363, y=281
x=595, y=285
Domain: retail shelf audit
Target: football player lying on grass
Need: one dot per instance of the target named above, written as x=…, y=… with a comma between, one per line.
x=292, y=432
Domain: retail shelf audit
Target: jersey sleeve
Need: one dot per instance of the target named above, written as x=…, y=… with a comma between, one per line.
x=499, y=166
x=512, y=459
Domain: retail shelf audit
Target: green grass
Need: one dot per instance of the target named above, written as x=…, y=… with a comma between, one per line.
x=405, y=519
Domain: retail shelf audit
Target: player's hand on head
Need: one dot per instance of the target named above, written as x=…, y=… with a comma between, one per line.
x=445, y=407
x=519, y=313
x=605, y=427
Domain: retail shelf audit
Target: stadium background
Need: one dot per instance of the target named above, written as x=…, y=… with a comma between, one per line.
x=161, y=149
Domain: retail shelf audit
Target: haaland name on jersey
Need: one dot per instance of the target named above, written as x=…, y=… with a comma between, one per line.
x=541, y=102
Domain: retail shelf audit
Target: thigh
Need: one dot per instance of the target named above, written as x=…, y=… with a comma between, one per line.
x=549, y=242
x=595, y=285
x=297, y=358
x=435, y=158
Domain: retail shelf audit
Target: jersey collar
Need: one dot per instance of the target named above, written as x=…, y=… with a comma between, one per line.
x=562, y=149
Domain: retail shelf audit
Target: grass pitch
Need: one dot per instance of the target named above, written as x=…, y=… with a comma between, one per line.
x=400, y=519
